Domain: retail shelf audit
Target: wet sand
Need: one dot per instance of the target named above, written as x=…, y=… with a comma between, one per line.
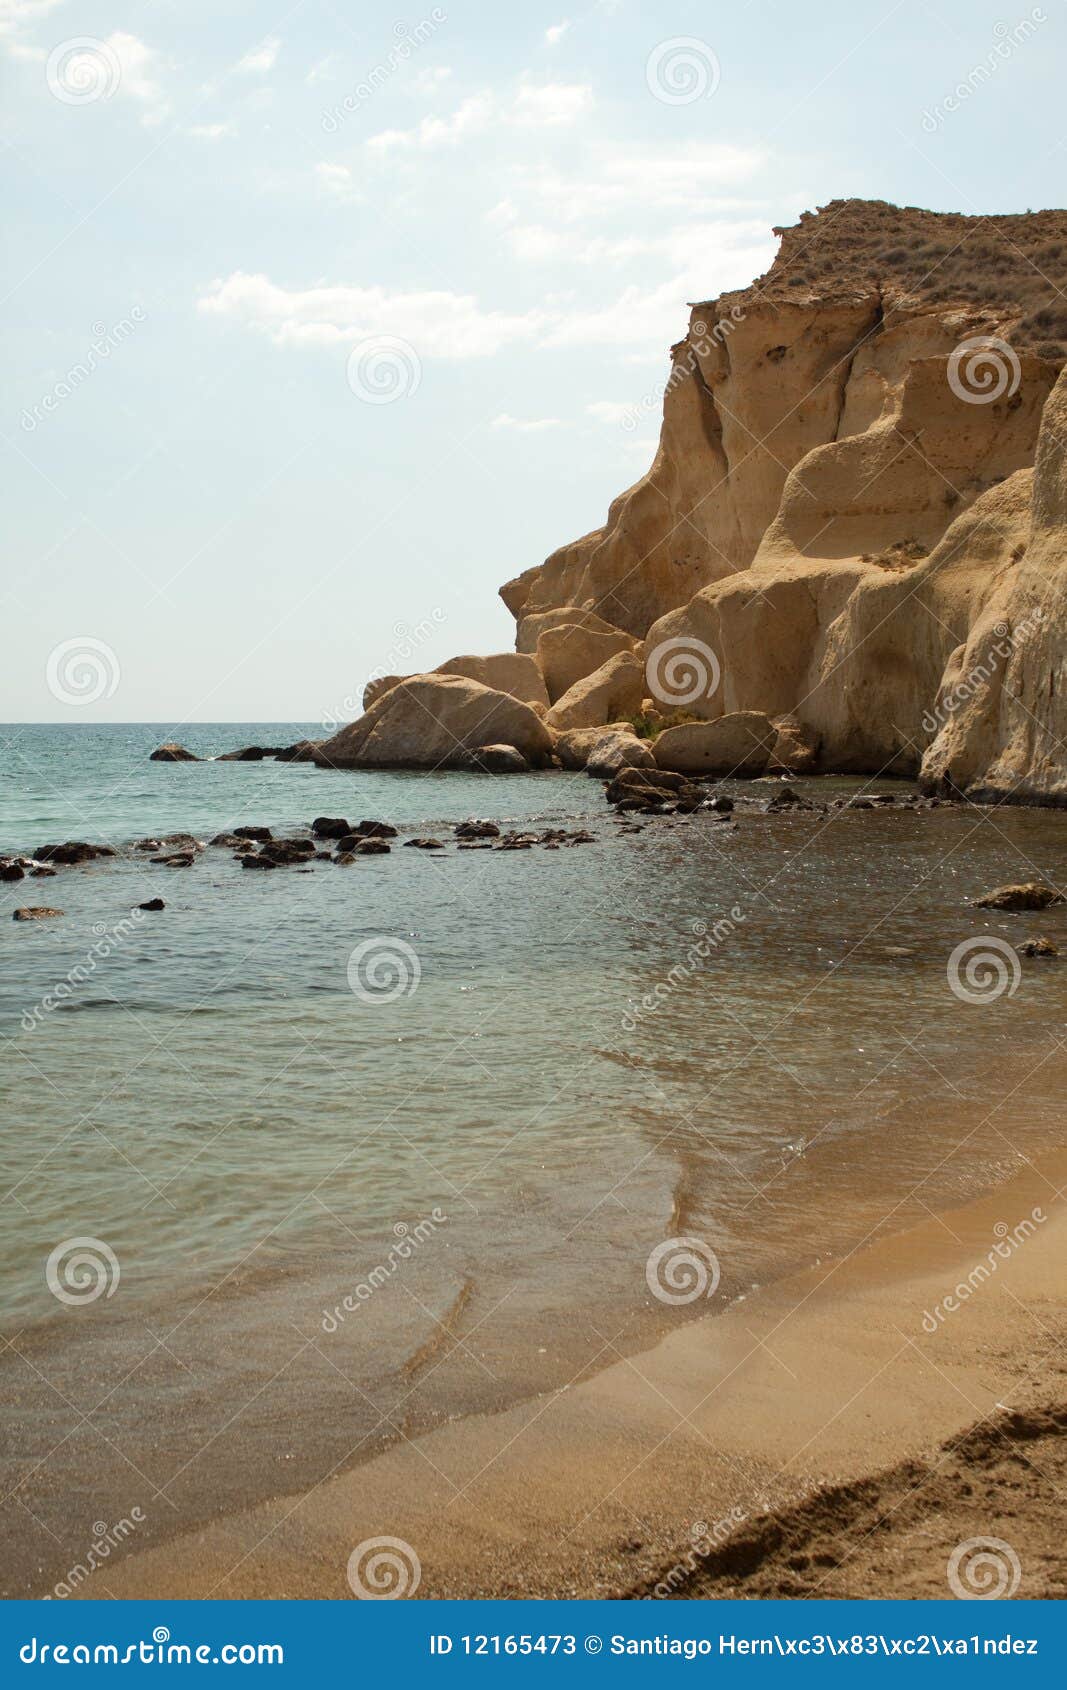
x=837, y=1435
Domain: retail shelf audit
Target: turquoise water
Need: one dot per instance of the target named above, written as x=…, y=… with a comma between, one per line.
x=558, y=1091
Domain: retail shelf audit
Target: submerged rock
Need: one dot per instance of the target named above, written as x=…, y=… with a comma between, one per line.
x=73, y=851
x=426, y=844
x=35, y=912
x=476, y=830
x=1028, y=895
x=1038, y=947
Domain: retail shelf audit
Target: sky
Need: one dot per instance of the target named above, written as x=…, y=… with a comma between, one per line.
x=321, y=321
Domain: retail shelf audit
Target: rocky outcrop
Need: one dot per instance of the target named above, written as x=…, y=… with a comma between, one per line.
x=506, y=671
x=436, y=721
x=854, y=528
x=857, y=514
x=739, y=744
x=611, y=693
x=569, y=652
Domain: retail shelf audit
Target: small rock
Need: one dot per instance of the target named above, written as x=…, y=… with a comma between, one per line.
x=426, y=844
x=152, y=904
x=12, y=871
x=1029, y=895
x=721, y=805
x=41, y=873
x=72, y=851
x=476, y=830
x=500, y=760
x=1038, y=947
x=377, y=830
x=372, y=846
x=172, y=753
x=330, y=827
x=254, y=861
x=176, y=859
x=35, y=912
x=227, y=841
x=252, y=832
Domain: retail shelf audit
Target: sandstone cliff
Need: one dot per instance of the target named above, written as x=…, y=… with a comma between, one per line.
x=843, y=522
x=854, y=533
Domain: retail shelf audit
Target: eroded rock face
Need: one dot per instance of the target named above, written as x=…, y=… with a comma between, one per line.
x=570, y=652
x=738, y=744
x=512, y=672
x=611, y=693
x=437, y=721
x=844, y=520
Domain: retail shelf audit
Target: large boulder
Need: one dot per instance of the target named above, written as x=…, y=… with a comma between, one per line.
x=610, y=694
x=573, y=745
x=568, y=653
x=530, y=628
x=436, y=721
x=512, y=672
x=738, y=744
x=614, y=751
x=171, y=752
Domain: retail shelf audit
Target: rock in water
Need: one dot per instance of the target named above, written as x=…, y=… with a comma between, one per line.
x=1029, y=895
x=436, y=721
x=35, y=912
x=172, y=753
x=500, y=760
x=152, y=904
x=1038, y=947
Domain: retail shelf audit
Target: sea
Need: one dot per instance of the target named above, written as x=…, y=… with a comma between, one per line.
x=311, y=1160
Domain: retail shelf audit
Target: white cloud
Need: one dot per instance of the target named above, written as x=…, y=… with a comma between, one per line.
x=428, y=80
x=260, y=59
x=533, y=106
x=336, y=180
x=473, y=117
x=557, y=31
x=548, y=104
x=438, y=325
x=609, y=410
x=536, y=425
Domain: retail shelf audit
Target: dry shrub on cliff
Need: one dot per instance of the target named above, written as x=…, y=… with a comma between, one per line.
x=1014, y=264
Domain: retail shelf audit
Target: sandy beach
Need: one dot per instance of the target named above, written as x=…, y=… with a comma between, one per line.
x=838, y=1435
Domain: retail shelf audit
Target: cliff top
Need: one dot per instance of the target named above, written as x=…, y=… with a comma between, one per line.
x=1015, y=264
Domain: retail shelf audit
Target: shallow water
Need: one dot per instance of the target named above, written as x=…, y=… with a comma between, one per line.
x=565, y=1085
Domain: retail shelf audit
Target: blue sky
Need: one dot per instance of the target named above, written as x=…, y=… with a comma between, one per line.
x=233, y=232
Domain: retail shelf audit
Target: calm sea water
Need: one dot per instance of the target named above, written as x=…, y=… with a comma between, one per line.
x=559, y=1090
